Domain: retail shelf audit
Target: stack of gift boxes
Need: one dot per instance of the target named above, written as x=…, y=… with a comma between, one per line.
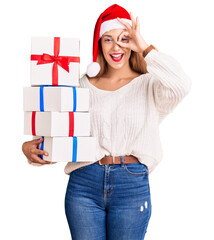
x=55, y=107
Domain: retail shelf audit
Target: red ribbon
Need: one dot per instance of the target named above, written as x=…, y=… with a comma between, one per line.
x=33, y=123
x=71, y=124
x=62, y=61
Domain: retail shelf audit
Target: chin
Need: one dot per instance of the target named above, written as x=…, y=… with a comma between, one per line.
x=117, y=67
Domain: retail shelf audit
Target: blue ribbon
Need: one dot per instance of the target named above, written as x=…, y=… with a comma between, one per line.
x=74, y=99
x=41, y=93
x=42, y=147
x=74, y=157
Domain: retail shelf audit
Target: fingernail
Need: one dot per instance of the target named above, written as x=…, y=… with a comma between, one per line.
x=46, y=154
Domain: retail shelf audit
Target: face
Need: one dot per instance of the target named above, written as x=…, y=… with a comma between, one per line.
x=115, y=55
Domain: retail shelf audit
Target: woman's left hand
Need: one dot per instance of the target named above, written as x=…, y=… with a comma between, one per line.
x=136, y=41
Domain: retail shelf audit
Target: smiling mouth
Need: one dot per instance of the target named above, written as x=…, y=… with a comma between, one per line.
x=117, y=58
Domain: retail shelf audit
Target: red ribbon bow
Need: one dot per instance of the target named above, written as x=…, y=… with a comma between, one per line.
x=62, y=61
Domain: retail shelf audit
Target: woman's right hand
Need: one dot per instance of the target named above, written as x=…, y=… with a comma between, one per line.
x=31, y=151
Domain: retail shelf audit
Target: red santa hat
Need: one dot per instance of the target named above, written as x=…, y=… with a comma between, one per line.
x=106, y=21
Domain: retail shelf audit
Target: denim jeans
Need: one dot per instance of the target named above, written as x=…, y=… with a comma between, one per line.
x=110, y=202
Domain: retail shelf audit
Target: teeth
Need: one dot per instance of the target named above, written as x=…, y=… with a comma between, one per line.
x=116, y=55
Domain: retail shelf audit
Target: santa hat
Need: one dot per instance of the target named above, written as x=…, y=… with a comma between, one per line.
x=106, y=21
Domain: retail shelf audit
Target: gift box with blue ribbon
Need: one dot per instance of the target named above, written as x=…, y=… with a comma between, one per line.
x=68, y=149
x=56, y=99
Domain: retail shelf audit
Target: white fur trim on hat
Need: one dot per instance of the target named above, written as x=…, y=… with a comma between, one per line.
x=112, y=24
x=93, y=69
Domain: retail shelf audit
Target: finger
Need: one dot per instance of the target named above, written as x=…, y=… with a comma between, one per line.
x=37, y=159
x=123, y=40
x=40, y=152
x=38, y=140
x=35, y=151
x=137, y=25
x=133, y=20
x=127, y=25
x=123, y=33
x=125, y=45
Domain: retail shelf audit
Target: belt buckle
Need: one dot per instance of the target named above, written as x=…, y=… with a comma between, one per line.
x=100, y=162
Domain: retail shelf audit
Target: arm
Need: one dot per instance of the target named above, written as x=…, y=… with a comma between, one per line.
x=170, y=85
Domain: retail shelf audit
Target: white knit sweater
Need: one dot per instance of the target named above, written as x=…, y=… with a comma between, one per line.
x=126, y=121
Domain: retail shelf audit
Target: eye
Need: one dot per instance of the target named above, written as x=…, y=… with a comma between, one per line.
x=107, y=40
x=125, y=39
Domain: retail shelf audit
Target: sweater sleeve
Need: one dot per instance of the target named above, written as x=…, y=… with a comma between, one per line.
x=170, y=82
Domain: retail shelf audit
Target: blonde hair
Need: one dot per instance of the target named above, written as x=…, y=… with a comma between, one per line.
x=136, y=61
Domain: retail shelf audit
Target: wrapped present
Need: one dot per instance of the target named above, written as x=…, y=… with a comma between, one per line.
x=56, y=99
x=53, y=124
x=68, y=149
x=55, y=61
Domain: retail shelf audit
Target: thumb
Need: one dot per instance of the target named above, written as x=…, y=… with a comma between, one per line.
x=38, y=140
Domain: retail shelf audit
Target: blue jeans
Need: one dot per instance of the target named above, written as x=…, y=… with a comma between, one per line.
x=108, y=202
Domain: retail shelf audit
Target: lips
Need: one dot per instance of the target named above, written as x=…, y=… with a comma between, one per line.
x=117, y=57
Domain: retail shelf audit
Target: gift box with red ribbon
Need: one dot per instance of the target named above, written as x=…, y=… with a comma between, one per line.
x=57, y=124
x=55, y=61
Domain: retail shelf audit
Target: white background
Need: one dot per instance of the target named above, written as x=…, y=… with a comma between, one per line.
x=32, y=198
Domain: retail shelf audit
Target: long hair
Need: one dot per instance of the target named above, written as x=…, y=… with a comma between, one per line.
x=136, y=61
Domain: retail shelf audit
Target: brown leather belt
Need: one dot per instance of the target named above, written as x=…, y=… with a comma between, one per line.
x=116, y=160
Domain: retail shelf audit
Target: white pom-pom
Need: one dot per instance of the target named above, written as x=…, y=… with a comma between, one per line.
x=93, y=69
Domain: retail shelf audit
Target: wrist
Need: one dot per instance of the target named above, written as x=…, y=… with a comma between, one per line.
x=148, y=49
x=145, y=46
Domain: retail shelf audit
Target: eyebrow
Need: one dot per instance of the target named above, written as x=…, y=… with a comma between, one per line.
x=107, y=35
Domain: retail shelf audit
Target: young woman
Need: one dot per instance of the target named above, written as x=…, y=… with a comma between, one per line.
x=132, y=87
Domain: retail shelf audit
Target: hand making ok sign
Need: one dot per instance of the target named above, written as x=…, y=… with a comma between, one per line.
x=136, y=41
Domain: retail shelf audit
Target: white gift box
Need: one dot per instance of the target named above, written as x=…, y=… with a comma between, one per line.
x=55, y=99
x=55, y=61
x=53, y=124
x=69, y=149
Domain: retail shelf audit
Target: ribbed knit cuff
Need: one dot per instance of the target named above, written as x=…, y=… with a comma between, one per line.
x=148, y=49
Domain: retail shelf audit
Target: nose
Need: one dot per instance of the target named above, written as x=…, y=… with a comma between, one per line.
x=115, y=46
